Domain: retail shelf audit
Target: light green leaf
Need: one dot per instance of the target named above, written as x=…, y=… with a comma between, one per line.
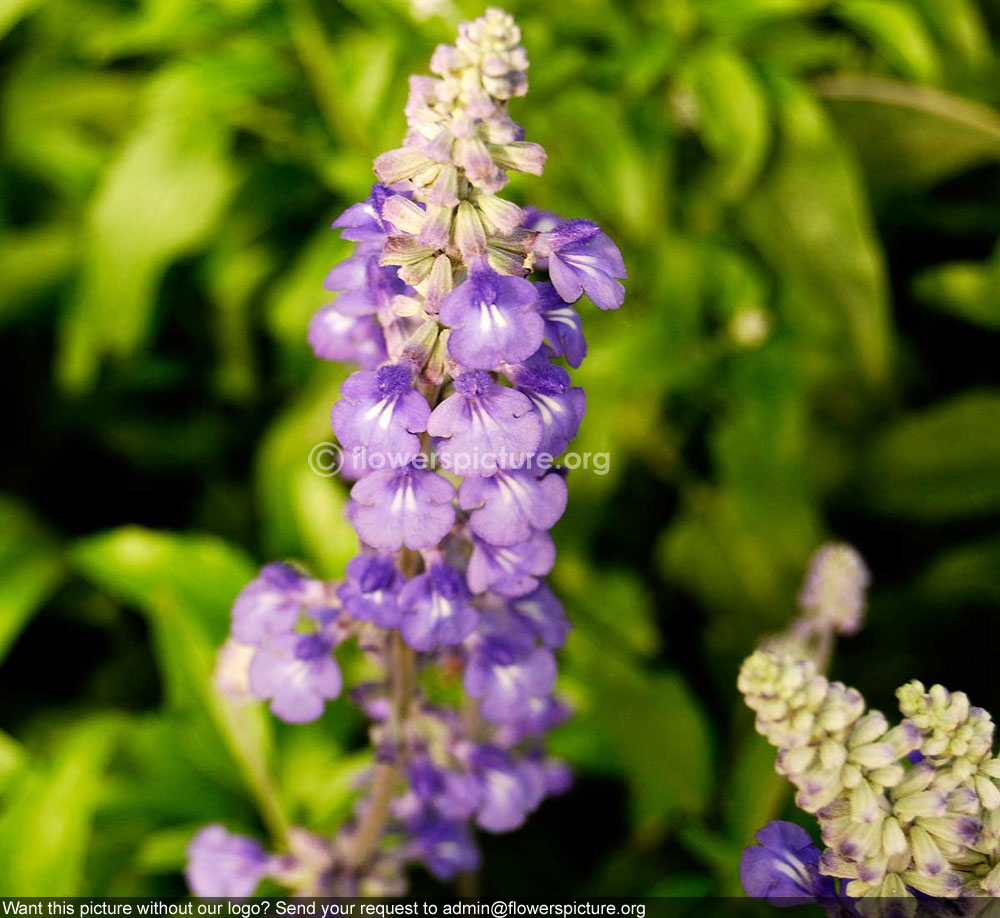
x=940, y=463
x=159, y=199
x=967, y=573
x=911, y=136
x=185, y=585
x=755, y=792
x=968, y=290
x=45, y=829
x=894, y=30
x=731, y=118
x=809, y=219
x=30, y=569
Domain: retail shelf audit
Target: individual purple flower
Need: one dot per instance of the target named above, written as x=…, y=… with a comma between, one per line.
x=273, y=601
x=370, y=590
x=367, y=286
x=355, y=339
x=363, y=222
x=382, y=415
x=563, y=326
x=445, y=846
x=543, y=713
x=582, y=259
x=512, y=570
x=436, y=609
x=223, y=865
x=484, y=426
x=559, y=405
x=493, y=320
x=507, y=507
x=410, y=507
x=505, y=672
x=542, y=616
x=783, y=867
x=507, y=794
x=449, y=793
x=298, y=674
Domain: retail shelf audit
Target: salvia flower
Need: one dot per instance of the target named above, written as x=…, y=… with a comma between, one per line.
x=905, y=811
x=456, y=304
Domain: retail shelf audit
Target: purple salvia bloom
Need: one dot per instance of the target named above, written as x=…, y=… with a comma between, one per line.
x=582, y=259
x=382, y=415
x=507, y=795
x=512, y=570
x=298, y=674
x=542, y=616
x=506, y=508
x=783, y=867
x=563, y=327
x=410, y=507
x=363, y=222
x=446, y=847
x=349, y=339
x=272, y=603
x=451, y=794
x=484, y=426
x=542, y=714
x=370, y=591
x=559, y=406
x=506, y=673
x=493, y=320
x=366, y=286
x=221, y=864
x=436, y=609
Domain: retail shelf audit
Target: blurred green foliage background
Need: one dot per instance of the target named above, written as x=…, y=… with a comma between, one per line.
x=807, y=196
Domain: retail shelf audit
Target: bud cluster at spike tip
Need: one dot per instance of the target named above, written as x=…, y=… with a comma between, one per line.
x=458, y=305
x=906, y=812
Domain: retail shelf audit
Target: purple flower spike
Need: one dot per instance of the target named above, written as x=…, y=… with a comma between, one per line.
x=367, y=287
x=505, y=673
x=509, y=506
x=543, y=713
x=298, y=674
x=370, y=591
x=436, y=609
x=485, y=427
x=563, y=327
x=272, y=602
x=410, y=507
x=221, y=864
x=513, y=570
x=506, y=791
x=355, y=339
x=783, y=868
x=493, y=318
x=559, y=406
x=381, y=416
x=581, y=260
x=542, y=616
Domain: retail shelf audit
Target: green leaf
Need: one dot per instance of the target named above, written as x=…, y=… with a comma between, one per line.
x=185, y=585
x=46, y=827
x=159, y=199
x=650, y=727
x=732, y=119
x=968, y=290
x=809, y=219
x=895, y=31
x=940, y=463
x=304, y=512
x=967, y=573
x=754, y=792
x=911, y=136
x=30, y=569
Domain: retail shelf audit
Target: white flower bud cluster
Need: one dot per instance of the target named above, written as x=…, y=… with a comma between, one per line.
x=891, y=826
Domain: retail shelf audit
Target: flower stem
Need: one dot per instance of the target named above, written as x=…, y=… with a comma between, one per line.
x=402, y=677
